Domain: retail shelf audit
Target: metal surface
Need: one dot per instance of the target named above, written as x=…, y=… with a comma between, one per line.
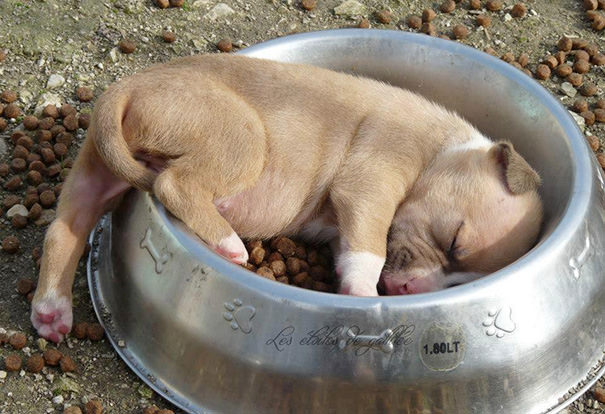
x=212, y=337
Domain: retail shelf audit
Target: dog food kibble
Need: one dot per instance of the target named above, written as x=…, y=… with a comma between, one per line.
x=57, y=130
x=364, y=24
x=428, y=28
x=67, y=364
x=564, y=44
x=168, y=36
x=601, y=159
x=285, y=246
x=590, y=4
x=37, y=166
x=34, y=363
x=589, y=117
x=84, y=94
x=542, y=71
x=3, y=124
x=8, y=96
x=484, y=20
x=225, y=45
x=13, y=183
x=12, y=362
x=95, y=331
x=414, y=22
x=474, y=4
x=278, y=268
x=79, y=330
x=17, y=340
x=24, y=286
x=52, y=357
x=127, y=46
x=257, y=255
x=60, y=149
x=428, y=15
x=447, y=6
x=523, y=59
x=18, y=165
x=162, y=4
x=35, y=211
x=20, y=151
x=10, y=200
x=152, y=409
x=26, y=142
x=84, y=121
x=47, y=198
x=4, y=169
x=519, y=10
x=18, y=221
x=12, y=111
x=30, y=122
x=70, y=122
x=460, y=31
x=581, y=55
x=551, y=61
x=293, y=265
x=384, y=16
x=72, y=409
x=593, y=142
x=93, y=407
x=580, y=105
x=588, y=89
x=575, y=79
x=581, y=66
x=561, y=57
x=177, y=3
x=10, y=244
x=50, y=111
x=493, y=5
x=265, y=272
x=564, y=70
x=31, y=198
x=599, y=115
x=165, y=411
x=598, y=23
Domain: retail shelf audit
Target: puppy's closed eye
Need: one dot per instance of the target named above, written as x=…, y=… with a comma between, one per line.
x=455, y=251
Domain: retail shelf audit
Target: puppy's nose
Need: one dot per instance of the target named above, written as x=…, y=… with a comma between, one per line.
x=395, y=287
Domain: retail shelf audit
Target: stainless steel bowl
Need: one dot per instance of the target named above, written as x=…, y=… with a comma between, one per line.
x=212, y=337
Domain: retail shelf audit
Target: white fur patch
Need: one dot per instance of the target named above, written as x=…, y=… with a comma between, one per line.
x=359, y=273
x=478, y=141
x=233, y=249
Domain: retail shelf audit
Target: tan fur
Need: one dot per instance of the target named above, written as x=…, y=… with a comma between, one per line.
x=252, y=146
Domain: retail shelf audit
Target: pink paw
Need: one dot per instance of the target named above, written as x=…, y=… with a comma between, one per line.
x=233, y=249
x=52, y=317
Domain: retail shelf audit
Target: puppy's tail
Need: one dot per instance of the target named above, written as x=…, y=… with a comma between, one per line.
x=108, y=137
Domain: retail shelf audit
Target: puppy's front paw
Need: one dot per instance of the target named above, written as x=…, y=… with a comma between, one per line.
x=52, y=317
x=233, y=249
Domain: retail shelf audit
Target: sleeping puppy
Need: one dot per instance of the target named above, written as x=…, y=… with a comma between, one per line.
x=241, y=147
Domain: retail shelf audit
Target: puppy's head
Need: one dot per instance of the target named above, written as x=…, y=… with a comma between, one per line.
x=472, y=212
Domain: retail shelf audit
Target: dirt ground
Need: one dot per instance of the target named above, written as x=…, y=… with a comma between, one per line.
x=78, y=41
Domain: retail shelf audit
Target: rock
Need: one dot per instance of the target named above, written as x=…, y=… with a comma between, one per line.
x=64, y=385
x=579, y=120
x=113, y=55
x=17, y=209
x=145, y=392
x=568, y=89
x=47, y=99
x=2, y=374
x=55, y=81
x=219, y=11
x=350, y=8
x=45, y=218
x=58, y=399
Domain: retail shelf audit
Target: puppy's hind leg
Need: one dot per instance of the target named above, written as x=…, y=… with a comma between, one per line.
x=184, y=196
x=89, y=191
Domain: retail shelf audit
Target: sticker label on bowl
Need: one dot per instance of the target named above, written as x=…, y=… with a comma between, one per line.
x=442, y=346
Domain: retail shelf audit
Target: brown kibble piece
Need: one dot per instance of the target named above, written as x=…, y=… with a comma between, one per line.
x=321, y=286
x=590, y=4
x=93, y=407
x=83, y=121
x=18, y=165
x=309, y=4
x=588, y=89
x=580, y=105
x=600, y=104
x=575, y=79
x=257, y=255
x=17, y=340
x=13, y=183
x=601, y=159
x=56, y=130
x=519, y=10
x=598, y=59
x=50, y=111
x=34, y=212
x=72, y=409
x=162, y=4
x=67, y=364
x=46, y=124
x=428, y=15
x=10, y=244
x=177, y=3
x=293, y=265
x=152, y=409
x=278, y=267
x=84, y=94
x=225, y=45
x=543, y=72
x=599, y=394
x=265, y=272
x=168, y=36
x=20, y=151
x=65, y=138
x=31, y=199
x=591, y=49
x=599, y=114
x=565, y=44
x=581, y=55
x=12, y=111
x=581, y=66
x=460, y=31
x=523, y=59
x=384, y=16
x=474, y=4
x=578, y=43
x=79, y=330
x=12, y=362
x=593, y=142
x=508, y=57
x=3, y=124
x=484, y=20
x=48, y=156
x=275, y=257
x=127, y=46
x=493, y=5
x=18, y=221
x=414, y=22
x=37, y=166
x=551, y=61
x=52, y=357
x=447, y=6
x=364, y=24
x=70, y=122
x=8, y=96
x=95, y=331
x=4, y=169
x=598, y=23
x=564, y=70
x=561, y=56
x=60, y=149
x=26, y=142
x=300, y=279
x=428, y=28
x=10, y=200
x=285, y=246
x=589, y=117
x=30, y=122
x=47, y=198
x=25, y=285
x=165, y=411
x=34, y=363
x=3, y=338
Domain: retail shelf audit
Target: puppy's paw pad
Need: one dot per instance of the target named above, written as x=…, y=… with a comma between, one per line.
x=52, y=317
x=233, y=249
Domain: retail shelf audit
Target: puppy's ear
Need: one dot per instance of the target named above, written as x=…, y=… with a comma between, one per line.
x=518, y=175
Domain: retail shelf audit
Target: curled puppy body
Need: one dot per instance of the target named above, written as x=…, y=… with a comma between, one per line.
x=237, y=147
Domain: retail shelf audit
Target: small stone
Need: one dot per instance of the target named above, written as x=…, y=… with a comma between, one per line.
x=17, y=209
x=579, y=120
x=95, y=331
x=568, y=89
x=55, y=81
x=58, y=400
x=10, y=244
x=225, y=45
x=219, y=11
x=168, y=37
x=350, y=8
x=2, y=374
x=127, y=46
x=41, y=342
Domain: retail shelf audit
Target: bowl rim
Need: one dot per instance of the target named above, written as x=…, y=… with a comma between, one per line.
x=570, y=220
